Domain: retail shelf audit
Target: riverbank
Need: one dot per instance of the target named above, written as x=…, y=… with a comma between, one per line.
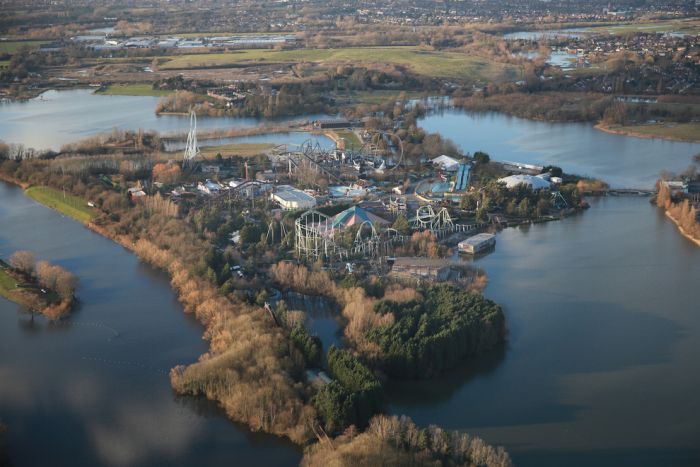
x=65, y=203
x=682, y=213
x=133, y=89
x=683, y=232
x=683, y=132
x=14, y=181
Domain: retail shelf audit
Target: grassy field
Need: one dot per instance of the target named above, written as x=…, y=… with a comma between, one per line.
x=10, y=47
x=422, y=61
x=9, y=290
x=137, y=89
x=350, y=137
x=7, y=285
x=71, y=206
x=236, y=149
x=379, y=97
x=675, y=131
x=680, y=131
x=685, y=26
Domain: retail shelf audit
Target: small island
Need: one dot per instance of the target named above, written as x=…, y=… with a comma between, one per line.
x=38, y=286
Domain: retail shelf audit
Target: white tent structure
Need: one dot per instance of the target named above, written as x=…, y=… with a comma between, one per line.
x=446, y=163
x=536, y=183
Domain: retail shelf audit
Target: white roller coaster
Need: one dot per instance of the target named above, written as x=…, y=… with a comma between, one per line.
x=191, y=148
x=314, y=235
x=428, y=219
x=315, y=238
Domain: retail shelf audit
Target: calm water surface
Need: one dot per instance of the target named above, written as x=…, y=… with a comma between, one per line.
x=578, y=148
x=95, y=390
x=601, y=365
x=67, y=116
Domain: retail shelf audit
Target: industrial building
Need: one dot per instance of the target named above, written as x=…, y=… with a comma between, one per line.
x=290, y=198
x=477, y=243
x=421, y=268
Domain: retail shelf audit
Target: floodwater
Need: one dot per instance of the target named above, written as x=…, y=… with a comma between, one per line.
x=601, y=363
x=322, y=318
x=578, y=148
x=67, y=116
x=95, y=389
x=600, y=367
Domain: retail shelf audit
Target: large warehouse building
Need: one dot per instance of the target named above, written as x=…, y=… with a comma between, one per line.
x=291, y=198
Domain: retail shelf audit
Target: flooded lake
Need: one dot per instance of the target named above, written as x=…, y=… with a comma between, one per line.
x=578, y=148
x=95, y=390
x=67, y=116
x=600, y=367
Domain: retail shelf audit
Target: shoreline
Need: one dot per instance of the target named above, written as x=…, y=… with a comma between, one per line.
x=14, y=181
x=163, y=261
x=25, y=294
x=605, y=128
x=682, y=230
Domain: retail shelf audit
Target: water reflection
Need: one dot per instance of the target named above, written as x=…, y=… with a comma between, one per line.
x=67, y=116
x=577, y=147
x=94, y=389
x=603, y=339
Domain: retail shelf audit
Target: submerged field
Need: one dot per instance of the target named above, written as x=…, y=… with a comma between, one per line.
x=422, y=61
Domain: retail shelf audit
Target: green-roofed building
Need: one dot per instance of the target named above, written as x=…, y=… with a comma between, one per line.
x=356, y=215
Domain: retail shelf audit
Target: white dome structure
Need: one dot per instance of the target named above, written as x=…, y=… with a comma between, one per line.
x=536, y=183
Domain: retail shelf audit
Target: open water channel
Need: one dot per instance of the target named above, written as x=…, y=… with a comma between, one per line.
x=600, y=367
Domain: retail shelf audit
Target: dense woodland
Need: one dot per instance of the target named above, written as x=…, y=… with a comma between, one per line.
x=434, y=334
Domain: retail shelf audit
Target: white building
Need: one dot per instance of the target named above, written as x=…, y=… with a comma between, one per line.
x=446, y=163
x=477, y=243
x=536, y=183
x=209, y=187
x=290, y=198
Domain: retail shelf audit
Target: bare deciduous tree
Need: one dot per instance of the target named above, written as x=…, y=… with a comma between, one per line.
x=24, y=261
